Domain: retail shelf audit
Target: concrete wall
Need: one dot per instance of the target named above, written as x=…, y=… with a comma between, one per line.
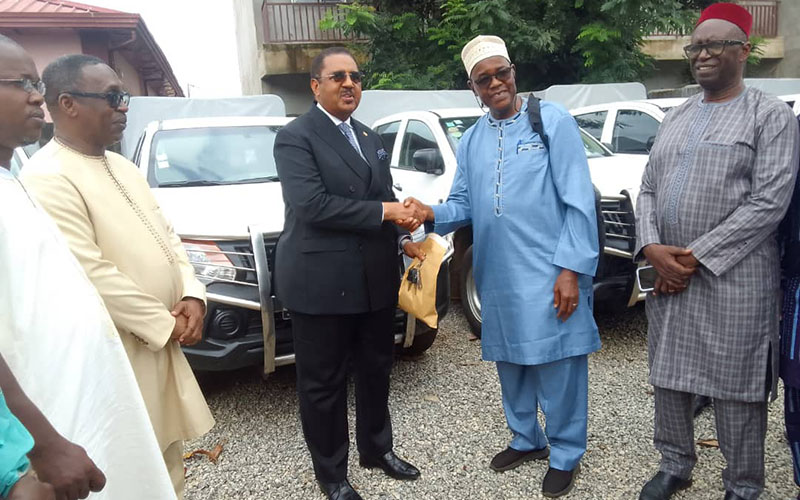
x=788, y=22
x=45, y=46
x=294, y=89
x=129, y=76
x=247, y=17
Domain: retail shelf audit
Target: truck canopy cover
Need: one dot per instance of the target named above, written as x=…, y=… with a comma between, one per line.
x=576, y=96
x=376, y=104
x=144, y=110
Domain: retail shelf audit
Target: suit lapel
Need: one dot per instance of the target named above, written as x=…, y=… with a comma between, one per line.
x=329, y=133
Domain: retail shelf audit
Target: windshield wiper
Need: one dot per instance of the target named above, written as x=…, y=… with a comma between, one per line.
x=193, y=183
x=269, y=178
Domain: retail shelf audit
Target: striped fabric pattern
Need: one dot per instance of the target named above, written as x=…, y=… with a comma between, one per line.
x=719, y=180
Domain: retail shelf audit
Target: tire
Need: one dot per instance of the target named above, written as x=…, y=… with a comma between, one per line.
x=423, y=340
x=470, y=302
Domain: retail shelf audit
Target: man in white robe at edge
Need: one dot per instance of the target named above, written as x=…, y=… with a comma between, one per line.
x=55, y=333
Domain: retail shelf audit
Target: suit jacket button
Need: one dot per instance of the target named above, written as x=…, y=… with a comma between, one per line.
x=342, y=293
x=352, y=188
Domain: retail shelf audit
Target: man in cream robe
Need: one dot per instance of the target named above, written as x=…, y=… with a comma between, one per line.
x=129, y=251
x=71, y=381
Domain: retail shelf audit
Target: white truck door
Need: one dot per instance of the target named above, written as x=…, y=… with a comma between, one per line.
x=430, y=188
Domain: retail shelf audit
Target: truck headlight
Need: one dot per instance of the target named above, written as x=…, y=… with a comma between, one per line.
x=209, y=262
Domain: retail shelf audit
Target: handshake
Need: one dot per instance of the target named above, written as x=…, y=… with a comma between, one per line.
x=409, y=214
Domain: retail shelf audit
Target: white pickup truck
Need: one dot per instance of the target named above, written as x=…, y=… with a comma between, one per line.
x=422, y=145
x=215, y=179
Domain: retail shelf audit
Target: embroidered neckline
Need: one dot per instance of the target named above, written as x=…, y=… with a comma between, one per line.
x=75, y=151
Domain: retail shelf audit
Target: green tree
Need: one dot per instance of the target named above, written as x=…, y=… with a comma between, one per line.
x=417, y=44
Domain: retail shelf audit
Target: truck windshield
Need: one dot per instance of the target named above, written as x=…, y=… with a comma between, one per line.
x=455, y=128
x=212, y=156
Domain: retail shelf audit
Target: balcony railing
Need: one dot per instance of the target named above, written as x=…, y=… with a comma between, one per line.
x=765, y=18
x=299, y=23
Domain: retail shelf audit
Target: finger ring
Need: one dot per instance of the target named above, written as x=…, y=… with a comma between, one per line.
x=575, y=304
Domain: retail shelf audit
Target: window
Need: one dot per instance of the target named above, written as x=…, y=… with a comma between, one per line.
x=634, y=132
x=212, y=156
x=418, y=136
x=388, y=133
x=455, y=128
x=593, y=123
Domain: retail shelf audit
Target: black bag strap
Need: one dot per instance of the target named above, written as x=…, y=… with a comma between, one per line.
x=535, y=117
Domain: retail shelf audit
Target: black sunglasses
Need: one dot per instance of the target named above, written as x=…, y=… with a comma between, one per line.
x=340, y=76
x=26, y=84
x=503, y=74
x=713, y=49
x=115, y=99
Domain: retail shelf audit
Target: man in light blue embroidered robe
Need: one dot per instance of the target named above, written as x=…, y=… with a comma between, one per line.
x=535, y=246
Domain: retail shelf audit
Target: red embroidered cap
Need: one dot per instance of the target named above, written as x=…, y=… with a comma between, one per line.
x=730, y=12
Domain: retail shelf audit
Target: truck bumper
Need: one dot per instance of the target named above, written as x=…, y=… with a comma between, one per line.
x=244, y=328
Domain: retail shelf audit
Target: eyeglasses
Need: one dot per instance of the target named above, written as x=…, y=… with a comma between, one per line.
x=26, y=84
x=713, y=49
x=340, y=76
x=503, y=74
x=115, y=99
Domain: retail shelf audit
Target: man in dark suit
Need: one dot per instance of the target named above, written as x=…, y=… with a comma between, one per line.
x=337, y=272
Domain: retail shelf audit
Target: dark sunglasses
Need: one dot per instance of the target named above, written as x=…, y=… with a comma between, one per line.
x=503, y=74
x=341, y=76
x=115, y=99
x=26, y=84
x=713, y=49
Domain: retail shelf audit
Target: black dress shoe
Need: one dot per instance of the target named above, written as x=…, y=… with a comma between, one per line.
x=510, y=458
x=340, y=491
x=729, y=495
x=662, y=486
x=392, y=465
x=558, y=483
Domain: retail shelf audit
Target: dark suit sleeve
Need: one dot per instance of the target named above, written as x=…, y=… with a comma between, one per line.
x=305, y=193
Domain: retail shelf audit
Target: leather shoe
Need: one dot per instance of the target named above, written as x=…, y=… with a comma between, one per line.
x=558, y=483
x=729, y=495
x=340, y=491
x=392, y=465
x=662, y=486
x=510, y=458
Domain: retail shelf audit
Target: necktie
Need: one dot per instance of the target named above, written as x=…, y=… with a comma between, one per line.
x=351, y=138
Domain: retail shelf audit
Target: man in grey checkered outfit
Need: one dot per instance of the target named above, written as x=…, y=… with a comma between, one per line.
x=719, y=179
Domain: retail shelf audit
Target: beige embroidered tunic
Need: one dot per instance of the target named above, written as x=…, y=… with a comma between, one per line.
x=115, y=228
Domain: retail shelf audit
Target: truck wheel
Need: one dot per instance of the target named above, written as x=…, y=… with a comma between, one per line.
x=423, y=340
x=470, y=301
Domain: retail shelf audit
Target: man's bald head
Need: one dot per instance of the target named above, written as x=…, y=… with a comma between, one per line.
x=22, y=117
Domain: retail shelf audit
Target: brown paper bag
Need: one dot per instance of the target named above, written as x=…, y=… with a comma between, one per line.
x=420, y=299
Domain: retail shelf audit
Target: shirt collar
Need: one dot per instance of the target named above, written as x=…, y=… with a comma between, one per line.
x=335, y=120
x=5, y=173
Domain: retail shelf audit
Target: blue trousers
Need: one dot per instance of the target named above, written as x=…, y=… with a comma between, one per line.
x=561, y=390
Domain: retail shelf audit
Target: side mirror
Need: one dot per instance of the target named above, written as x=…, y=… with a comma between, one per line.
x=428, y=160
x=650, y=142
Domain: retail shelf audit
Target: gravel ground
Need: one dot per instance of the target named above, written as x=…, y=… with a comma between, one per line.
x=448, y=421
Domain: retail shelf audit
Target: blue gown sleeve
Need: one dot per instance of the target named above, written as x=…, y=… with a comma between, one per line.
x=456, y=212
x=577, y=247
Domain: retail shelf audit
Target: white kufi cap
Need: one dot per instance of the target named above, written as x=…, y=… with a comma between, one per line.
x=482, y=47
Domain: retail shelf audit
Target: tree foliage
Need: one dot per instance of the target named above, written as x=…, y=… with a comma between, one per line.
x=416, y=44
